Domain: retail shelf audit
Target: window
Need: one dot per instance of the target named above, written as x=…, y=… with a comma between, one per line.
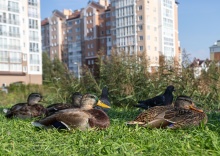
x=3, y=56
x=107, y=15
x=33, y=47
x=4, y=67
x=15, y=57
x=34, y=59
x=141, y=48
x=108, y=32
x=140, y=27
x=33, y=24
x=16, y=67
x=140, y=7
x=148, y=37
x=77, y=22
x=108, y=23
x=78, y=29
x=34, y=68
x=141, y=38
x=140, y=18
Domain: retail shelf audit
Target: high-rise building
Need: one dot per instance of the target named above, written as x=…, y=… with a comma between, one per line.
x=148, y=27
x=20, y=42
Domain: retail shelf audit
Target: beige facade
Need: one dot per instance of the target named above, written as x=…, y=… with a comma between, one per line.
x=147, y=27
x=20, y=42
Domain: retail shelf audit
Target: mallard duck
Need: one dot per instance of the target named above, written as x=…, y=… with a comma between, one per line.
x=104, y=99
x=183, y=114
x=83, y=118
x=161, y=100
x=76, y=97
x=29, y=109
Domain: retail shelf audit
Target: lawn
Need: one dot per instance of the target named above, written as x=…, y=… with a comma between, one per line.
x=19, y=137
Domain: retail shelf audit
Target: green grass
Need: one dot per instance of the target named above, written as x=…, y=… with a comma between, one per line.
x=19, y=137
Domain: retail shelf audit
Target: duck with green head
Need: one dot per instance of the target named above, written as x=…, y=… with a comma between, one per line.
x=75, y=97
x=85, y=117
x=28, y=109
x=183, y=114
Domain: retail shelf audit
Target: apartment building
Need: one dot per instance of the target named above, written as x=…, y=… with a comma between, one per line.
x=147, y=27
x=75, y=37
x=215, y=51
x=138, y=27
x=20, y=42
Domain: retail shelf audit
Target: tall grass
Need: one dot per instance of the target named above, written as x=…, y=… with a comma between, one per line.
x=128, y=81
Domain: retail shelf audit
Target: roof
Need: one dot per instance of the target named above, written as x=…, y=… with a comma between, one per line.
x=198, y=62
x=44, y=22
x=59, y=14
x=74, y=15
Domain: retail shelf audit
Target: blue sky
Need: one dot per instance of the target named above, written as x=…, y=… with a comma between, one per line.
x=199, y=22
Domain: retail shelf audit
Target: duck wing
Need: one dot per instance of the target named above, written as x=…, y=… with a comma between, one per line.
x=98, y=119
x=153, y=117
x=14, y=109
x=181, y=118
x=74, y=118
x=57, y=106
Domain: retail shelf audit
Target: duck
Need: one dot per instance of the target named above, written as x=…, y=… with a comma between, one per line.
x=29, y=109
x=105, y=99
x=83, y=118
x=182, y=114
x=75, y=98
x=161, y=100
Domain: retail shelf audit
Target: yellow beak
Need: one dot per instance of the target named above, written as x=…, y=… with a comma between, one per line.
x=196, y=109
x=101, y=104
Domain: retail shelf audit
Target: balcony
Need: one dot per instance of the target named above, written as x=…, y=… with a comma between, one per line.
x=32, y=38
x=33, y=50
x=13, y=9
x=33, y=15
x=15, y=60
x=9, y=21
x=4, y=59
x=32, y=4
x=34, y=62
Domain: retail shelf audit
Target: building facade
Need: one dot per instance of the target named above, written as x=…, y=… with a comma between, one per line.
x=20, y=42
x=148, y=27
x=215, y=51
x=137, y=27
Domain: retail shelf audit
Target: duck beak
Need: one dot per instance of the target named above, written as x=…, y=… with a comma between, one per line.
x=192, y=107
x=101, y=104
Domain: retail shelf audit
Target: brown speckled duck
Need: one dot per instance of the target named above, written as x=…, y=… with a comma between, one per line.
x=183, y=114
x=83, y=118
x=76, y=98
x=29, y=109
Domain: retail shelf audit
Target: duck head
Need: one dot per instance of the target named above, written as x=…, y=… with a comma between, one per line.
x=186, y=102
x=89, y=101
x=34, y=98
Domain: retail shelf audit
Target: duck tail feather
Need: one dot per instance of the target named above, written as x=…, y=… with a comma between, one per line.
x=5, y=110
x=37, y=124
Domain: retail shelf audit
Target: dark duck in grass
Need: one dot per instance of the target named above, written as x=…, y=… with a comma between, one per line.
x=85, y=117
x=104, y=99
x=29, y=109
x=183, y=114
x=75, y=98
x=161, y=100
